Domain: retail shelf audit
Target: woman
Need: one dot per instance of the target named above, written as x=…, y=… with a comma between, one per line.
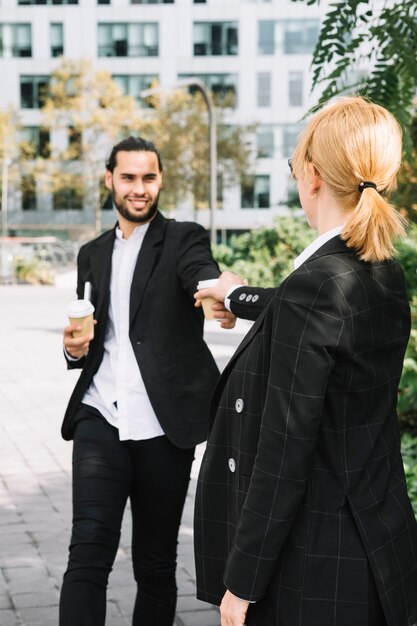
x=302, y=515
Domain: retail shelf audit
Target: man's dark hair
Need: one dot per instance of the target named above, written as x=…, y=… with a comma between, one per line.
x=132, y=144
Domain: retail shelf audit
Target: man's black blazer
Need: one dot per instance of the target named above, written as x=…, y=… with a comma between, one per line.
x=301, y=493
x=166, y=330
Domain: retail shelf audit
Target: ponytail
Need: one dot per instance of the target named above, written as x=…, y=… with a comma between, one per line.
x=373, y=226
x=355, y=146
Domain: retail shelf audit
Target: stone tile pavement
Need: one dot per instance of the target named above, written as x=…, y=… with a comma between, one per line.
x=35, y=467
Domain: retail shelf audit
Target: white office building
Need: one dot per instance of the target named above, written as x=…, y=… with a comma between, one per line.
x=259, y=50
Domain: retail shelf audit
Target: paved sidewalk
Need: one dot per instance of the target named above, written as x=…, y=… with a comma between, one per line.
x=35, y=468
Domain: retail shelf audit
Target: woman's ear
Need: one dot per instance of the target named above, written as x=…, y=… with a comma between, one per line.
x=314, y=180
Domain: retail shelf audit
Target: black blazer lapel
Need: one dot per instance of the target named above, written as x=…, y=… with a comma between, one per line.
x=147, y=258
x=101, y=272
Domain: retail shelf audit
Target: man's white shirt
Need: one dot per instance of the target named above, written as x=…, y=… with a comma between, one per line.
x=117, y=389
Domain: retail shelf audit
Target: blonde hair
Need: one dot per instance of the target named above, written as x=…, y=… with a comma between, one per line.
x=349, y=141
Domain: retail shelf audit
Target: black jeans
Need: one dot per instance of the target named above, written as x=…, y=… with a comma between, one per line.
x=154, y=474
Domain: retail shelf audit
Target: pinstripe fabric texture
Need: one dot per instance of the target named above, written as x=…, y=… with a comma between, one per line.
x=301, y=490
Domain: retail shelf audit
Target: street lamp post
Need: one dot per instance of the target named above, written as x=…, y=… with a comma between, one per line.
x=200, y=85
x=4, y=195
x=4, y=225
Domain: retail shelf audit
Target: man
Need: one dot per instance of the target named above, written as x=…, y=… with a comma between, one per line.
x=141, y=403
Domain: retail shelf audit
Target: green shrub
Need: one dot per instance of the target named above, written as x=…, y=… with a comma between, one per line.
x=409, y=452
x=33, y=271
x=266, y=255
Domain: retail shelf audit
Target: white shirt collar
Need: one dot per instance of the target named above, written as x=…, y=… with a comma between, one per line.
x=138, y=233
x=315, y=245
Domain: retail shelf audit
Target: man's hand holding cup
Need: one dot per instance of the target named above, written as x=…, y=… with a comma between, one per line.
x=80, y=332
x=211, y=294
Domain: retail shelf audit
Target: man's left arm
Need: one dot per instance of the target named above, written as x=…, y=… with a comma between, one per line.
x=195, y=262
x=194, y=257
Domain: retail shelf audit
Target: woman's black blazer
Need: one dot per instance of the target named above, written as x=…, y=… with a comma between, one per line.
x=301, y=494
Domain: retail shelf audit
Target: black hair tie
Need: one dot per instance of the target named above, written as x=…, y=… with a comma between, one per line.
x=366, y=183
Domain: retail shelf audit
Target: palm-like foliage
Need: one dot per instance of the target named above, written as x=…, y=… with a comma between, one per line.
x=378, y=35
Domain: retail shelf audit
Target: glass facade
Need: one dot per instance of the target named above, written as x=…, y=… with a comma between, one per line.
x=263, y=91
x=56, y=34
x=32, y=91
x=222, y=86
x=216, y=39
x=295, y=89
x=128, y=40
x=255, y=192
x=265, y=142
x=15, y=40
x=287, y=36
x=28, y=194
x=67, y=199
x=133, y=84
x=38, y=139
x=48, y=1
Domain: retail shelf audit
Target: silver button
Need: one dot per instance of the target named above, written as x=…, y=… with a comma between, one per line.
x=239, y=404
x=248, y=298
x=242, y=296
x=232, y=465
x=255, y=298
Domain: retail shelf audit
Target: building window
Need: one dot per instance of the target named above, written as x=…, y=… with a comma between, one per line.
x=47, y=1
x=222, y=86
x=200, y=1
x=265, y=142
x=103, y=1
x=255, y=192
x=263, y=94
x=28, y=191
x=75, y=143
x=128, y=40
x=15, y=40
x=67, y=199
x=300, y=36
x=290, y=134
x=33, y=90
x=133, y=84
x=38, y=141
x=287, y=36
x=56, y=34
x=295, y=89
x=215, y=38
x=266, y=37
x=152, y=1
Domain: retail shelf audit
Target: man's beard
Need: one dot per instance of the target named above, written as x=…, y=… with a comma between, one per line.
x=133, y=217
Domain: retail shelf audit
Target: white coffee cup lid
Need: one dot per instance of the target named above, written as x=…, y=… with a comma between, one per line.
x=79, y=308
x=204, y=284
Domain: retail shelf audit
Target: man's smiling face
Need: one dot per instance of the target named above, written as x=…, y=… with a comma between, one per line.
x=135, y=184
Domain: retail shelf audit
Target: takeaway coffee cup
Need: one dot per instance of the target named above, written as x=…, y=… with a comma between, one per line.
x=207, y=302
x=80, y=312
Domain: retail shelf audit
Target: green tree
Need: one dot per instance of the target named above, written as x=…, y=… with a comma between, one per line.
x=15, y=152
x=88, y=110
x=405, y=198
x=377, y=35
x=178, y=124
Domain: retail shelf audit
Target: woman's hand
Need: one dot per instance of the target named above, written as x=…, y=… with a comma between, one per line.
x=233, y=610
x=219, y=291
